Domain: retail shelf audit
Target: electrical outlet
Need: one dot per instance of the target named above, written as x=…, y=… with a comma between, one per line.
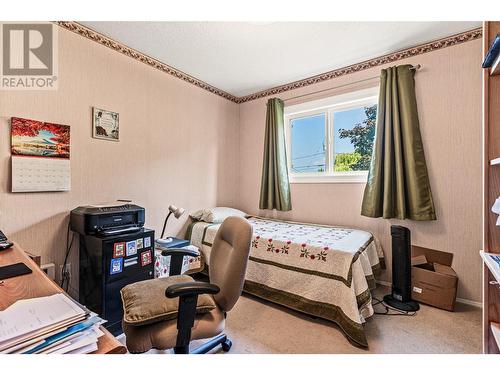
x=67, y=271
x=50, y=270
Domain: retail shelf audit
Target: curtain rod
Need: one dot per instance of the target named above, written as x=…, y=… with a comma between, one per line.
x=413, y=67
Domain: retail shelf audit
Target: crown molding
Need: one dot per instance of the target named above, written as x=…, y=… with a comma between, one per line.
x=368, y=64
x=139, y=56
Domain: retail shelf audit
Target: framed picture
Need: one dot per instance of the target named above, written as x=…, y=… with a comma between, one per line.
x=105, y=124
x=118, y=249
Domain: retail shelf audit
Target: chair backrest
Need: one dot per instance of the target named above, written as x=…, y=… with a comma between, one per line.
x=228, y=260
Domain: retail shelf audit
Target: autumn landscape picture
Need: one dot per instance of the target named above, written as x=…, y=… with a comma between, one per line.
x=41, y=139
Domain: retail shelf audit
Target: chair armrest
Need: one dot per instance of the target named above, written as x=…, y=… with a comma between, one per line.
x=177, y=258
x=191, y=289
x=188, y=252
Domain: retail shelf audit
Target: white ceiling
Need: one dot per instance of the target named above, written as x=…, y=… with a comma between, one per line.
x=245, y=57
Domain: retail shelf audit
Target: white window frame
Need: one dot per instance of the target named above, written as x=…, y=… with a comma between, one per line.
x=327, y=106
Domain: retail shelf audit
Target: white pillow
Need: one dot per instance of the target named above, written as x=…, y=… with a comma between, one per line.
x=216, y=214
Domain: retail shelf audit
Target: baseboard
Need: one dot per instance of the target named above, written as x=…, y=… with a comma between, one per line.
x=384, y=283
x=459, y=300
x=469, y=302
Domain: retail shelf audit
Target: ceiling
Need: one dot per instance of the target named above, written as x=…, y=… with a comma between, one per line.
x=242, y=58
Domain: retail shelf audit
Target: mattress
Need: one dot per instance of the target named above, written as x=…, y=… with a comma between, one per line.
x=324, y=271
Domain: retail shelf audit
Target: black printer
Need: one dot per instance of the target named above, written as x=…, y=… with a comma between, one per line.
x=107, y=220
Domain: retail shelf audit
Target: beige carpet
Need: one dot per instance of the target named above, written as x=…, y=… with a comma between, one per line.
x=259, y=327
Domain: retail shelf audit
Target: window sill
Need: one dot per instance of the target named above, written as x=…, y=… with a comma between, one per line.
x=337, y=178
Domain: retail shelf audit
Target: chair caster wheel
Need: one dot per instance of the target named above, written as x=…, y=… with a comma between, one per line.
x=226, y=345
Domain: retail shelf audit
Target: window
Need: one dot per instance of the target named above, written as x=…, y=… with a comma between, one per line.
x=331, y=140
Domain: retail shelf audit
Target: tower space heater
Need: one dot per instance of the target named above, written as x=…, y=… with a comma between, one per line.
x=400, y=297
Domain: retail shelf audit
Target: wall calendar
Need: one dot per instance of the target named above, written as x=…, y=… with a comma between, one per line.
x=40, y=156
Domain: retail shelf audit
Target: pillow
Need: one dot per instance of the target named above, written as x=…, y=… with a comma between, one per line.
x=216, y=214
x=144, y=302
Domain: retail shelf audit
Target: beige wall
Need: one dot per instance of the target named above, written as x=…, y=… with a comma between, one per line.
x=449, y=101
x=178, y=145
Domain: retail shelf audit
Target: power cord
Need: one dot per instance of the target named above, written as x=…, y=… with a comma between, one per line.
x=396, y=312
x=65, y=276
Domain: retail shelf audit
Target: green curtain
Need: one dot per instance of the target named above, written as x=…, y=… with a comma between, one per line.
x=398, y=184
x=275, y=188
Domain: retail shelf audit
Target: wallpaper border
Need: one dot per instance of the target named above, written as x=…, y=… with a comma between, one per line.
x=139, y=56
x=368, y=64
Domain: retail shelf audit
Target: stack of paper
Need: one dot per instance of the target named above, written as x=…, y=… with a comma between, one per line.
x=53, y=324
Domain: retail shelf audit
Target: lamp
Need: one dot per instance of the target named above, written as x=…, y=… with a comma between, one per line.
x=172, y=210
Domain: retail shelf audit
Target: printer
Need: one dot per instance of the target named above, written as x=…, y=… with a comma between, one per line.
x=107, y=220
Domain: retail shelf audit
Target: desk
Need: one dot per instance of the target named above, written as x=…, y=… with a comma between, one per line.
x=37, y=284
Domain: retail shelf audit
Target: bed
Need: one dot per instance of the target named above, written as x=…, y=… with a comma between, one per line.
x=320, y=270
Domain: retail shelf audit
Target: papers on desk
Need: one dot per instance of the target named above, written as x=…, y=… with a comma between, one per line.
x=53, y=324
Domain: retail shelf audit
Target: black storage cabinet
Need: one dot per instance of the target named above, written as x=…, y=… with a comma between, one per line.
x=106, y=266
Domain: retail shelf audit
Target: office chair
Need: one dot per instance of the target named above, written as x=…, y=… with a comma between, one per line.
x=228, y=263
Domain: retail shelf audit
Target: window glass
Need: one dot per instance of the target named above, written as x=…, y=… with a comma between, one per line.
x=354, y=131
x=331, y=139
x=308, y=149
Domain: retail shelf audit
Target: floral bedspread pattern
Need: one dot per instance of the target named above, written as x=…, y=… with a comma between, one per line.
x=322, y=249
x=162, y=264
x=321, y=270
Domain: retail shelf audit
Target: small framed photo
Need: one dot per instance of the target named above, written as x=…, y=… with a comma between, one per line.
x=146, y=258
x=119, y=250
x=140, y=243
x=105, y=124
x=116, y=266
x=131, y=248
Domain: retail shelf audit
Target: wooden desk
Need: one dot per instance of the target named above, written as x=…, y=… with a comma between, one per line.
x=37, y=284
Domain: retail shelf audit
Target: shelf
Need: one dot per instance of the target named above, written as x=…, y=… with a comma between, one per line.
x=495, y=329
x=495, y=161
x=491, y=264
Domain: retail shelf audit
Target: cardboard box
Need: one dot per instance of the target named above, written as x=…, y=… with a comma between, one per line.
x=433, y=281
x=420, y=259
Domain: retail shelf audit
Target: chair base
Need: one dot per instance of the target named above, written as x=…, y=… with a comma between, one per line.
x=206, y=347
